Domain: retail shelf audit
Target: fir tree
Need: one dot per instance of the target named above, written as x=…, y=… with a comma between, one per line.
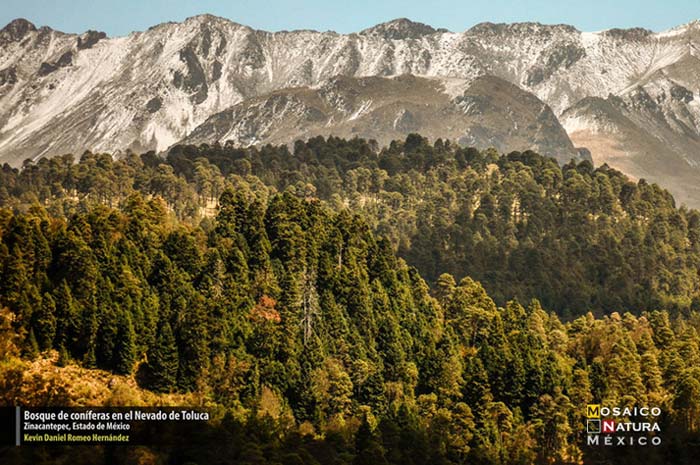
x=125, y=350
x=163, y=360
x=44, y=320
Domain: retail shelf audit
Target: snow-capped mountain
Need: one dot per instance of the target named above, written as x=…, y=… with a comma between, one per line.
x=210, y=77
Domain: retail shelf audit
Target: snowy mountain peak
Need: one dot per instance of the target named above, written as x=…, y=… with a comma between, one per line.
x=401, y=29
x=17, y=29
x=682, y=30
x=524, y=28
x=630, y=34
x=211, y=20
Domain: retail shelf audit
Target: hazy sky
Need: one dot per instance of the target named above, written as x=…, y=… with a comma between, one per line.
x=122, y=17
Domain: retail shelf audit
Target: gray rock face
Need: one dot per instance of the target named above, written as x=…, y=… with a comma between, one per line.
x=176, y=81
x=89, y=39
x=400, y=29
x=16, y=30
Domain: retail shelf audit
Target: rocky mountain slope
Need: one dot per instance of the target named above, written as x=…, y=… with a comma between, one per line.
x=652, y=128
x=485, y=112
x=210, y=77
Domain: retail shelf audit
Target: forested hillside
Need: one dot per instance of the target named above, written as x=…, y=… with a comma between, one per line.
x=576, y=238
x=286, y=304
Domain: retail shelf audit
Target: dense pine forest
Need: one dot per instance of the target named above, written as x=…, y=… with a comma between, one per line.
x=419, y=304
x=576, y=238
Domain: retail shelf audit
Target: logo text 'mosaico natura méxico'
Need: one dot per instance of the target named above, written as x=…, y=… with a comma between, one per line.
x=622, y=426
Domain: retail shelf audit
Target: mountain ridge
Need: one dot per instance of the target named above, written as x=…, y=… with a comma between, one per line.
x=483, y=24
x=151, y=89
